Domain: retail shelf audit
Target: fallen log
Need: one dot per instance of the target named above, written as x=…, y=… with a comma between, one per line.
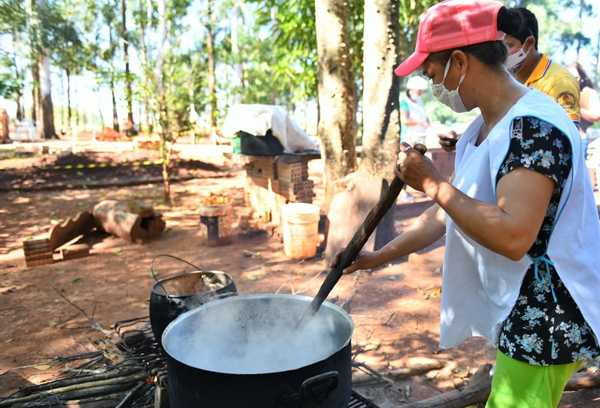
x=129, y=220
x=479, y=387
x=67, y=230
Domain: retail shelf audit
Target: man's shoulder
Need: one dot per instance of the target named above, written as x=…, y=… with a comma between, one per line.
x=561, y=80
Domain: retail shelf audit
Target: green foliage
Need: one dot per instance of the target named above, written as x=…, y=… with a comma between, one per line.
x=176, y=74
x=11, y=84
x=410, y=14
x=12, y=16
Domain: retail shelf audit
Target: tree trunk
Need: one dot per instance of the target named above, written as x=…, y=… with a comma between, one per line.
x=115, y=115
x=68, y=72
x=212, y=81
x=381, y=116
x=35, y=77
x=235, y=51
x=32, y=43
x=336, y=93
x=19, y=107
x=16, y=46
x=128, y=86
x=99, y=104
x=145, y=7
x=45, y=119
x=163, y=113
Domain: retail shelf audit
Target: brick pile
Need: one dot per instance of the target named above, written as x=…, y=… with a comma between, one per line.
x=273, y=181
x=37, y=252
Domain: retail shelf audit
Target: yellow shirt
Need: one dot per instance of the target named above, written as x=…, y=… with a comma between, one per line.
x=556, y=82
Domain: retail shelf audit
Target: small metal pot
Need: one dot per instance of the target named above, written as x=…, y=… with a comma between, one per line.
x=248, y=351
x=182, y=292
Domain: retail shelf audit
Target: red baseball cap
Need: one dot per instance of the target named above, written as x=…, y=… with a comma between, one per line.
x=453, y=24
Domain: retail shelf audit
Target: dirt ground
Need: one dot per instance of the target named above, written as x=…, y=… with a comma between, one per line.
x=395, y=308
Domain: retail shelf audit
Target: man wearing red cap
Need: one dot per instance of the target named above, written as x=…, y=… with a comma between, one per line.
x=519, y=217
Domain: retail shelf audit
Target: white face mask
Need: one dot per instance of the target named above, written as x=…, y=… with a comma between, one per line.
x=515, y=61
x=449, y=98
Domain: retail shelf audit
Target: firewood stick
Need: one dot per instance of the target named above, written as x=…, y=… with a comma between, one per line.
x=397, y=374
x=130, y=395
x=68, y=391
x=81, y=356
x=372, y=372
x=77, y=380
x=78, y=403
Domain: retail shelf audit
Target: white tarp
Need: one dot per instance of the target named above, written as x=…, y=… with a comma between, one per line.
x=257, y=119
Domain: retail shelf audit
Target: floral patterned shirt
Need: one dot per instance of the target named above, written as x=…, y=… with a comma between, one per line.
x=545, y=326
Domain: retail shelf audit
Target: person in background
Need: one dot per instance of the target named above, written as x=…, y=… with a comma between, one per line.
x=413, y=117
x=535, y=69
x=589, y=100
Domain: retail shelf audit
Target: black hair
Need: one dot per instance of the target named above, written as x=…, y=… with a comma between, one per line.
x=490, y=53
x=518, y=22
x=584, y=79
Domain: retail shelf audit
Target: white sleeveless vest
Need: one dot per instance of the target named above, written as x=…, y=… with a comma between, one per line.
x=480, y=287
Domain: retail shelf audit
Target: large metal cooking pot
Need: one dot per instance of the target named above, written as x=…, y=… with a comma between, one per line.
x=247, y=351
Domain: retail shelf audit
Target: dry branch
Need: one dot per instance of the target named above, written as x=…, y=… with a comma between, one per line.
x=93, y=322
x=77, y=380
x=92, y=388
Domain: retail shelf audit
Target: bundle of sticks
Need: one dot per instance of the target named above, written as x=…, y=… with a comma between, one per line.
x=129, y=374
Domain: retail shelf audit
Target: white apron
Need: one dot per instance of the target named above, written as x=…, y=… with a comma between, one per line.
x=480, y=287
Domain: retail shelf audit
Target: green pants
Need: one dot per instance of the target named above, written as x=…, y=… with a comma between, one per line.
x=520, y=385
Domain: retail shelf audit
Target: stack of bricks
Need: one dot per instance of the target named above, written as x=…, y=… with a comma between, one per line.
x=293, y=183
x=37, y=252
x=272, y=181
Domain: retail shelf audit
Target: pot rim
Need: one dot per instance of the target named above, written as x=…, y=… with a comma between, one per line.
x=215, y=303
x=161, y=281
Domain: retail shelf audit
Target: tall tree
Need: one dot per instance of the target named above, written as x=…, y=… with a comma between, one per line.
x=128, y=76
x=210, y=50
x=111, y=79
x=13, y=18
x=238, y=66
x=70, y=53
x=143, y=17
x=106, y=70
x=337, y=92
x=170, y=79
x=40, y=66
x=381, y=115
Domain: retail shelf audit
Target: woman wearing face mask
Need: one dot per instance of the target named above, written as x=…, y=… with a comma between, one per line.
x=413, y=116
x=533, y=68
x=520, y=222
